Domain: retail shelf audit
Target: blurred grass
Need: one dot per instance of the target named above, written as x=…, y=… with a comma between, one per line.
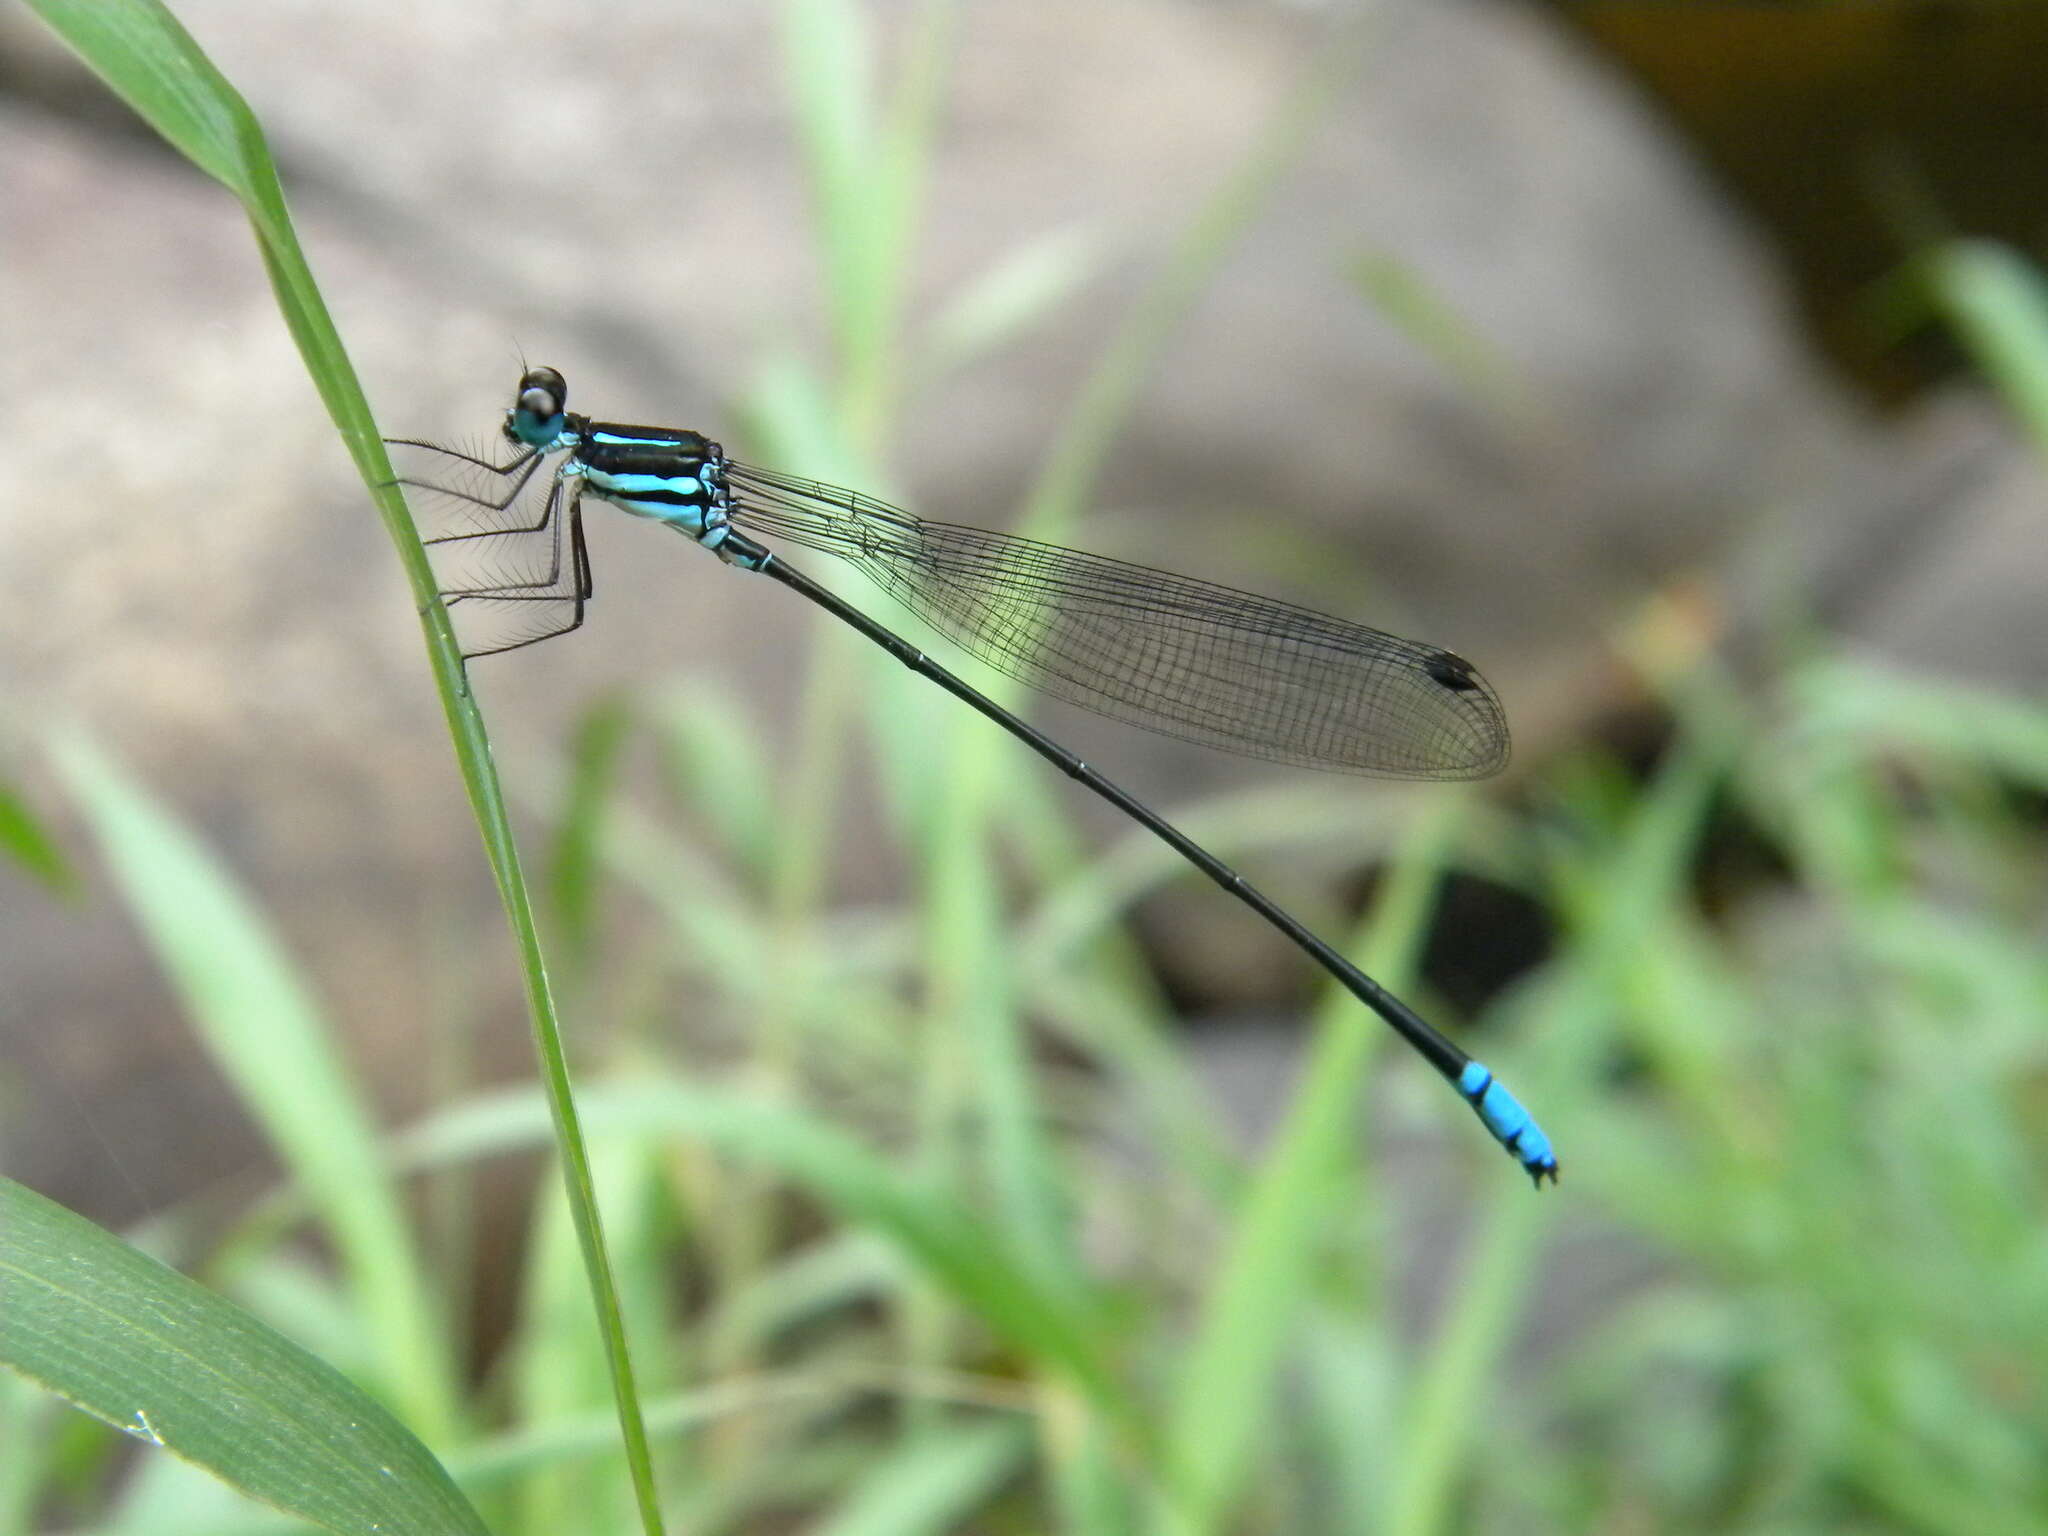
x=150, y=62
x=27, y=844
x=899, y=1267
x=267, y=1037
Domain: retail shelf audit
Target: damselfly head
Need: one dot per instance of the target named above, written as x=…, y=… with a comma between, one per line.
x=536, y=415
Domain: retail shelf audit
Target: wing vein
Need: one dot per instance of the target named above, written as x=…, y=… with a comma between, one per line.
x=1172, y=654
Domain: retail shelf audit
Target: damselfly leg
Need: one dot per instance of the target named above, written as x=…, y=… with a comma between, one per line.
x=507, y=567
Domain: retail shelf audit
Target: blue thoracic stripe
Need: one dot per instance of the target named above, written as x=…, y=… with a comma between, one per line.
x=668, y=475
x=641, y=437
x=671, y=488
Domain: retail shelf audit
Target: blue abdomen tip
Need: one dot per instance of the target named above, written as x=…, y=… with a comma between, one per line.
x=1512, y=1126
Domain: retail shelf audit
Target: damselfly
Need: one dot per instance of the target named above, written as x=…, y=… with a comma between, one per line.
x=1184, y=657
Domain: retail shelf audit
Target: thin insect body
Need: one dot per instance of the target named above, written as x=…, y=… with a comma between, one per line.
x=1169, y=653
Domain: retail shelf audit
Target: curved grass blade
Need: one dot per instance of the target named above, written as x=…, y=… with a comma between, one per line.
x=1996, y=301
x=152, y=63
x=28, y=844
x=252, y=1012
x=163, y=1359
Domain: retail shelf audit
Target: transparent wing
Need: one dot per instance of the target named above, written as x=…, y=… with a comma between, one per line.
x=1187, y=658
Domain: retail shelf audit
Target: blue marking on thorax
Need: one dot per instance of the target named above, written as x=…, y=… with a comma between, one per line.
x=607, y=483
x=1512, y=1126
x=673, y=478
x=700, y=512
x=626, y=440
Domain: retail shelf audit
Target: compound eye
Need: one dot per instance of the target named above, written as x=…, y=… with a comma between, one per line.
x=543, y=392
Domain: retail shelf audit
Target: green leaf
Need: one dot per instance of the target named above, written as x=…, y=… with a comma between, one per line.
x=1064, y=1332
x=1021, y=288
x=1405, y=298
x=1464, y=1367
x=829, y=50
x=1224, y=1404
x=1997, y=301
x=601, y=737
x=867, y=169
x=162, y=1358
x=265, y=1033
x=713, y=761
x=27, y=1419
x=24, y=839
x=151, y=62
x=555, y=1364
x=934, y=1483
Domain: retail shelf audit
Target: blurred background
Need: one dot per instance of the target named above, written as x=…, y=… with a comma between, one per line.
x=1685, y=367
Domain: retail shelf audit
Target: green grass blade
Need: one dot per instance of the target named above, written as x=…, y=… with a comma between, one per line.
x=25, y=840
x=161, y=1358
x=973, y=991
x=1013, y=294
x=1406, y=299
x=152, y=63
x=136, y=47
x=555, y=1369
x=26, y=1416
x=979, y=1267
x=170, y=1497
x=867, y=175
x=1105, y=400
x=1351, y=1391
x=1997, y=301
x=829, y=53
x=1224, y=1400
x=513, y=1457
x=933, y=1484
x=712, y=756
x=575, y=879
x=1463, y=1366
x=267, y=1036
x=979, y=760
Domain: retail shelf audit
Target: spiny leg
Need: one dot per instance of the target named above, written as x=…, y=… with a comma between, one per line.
x=578, y=595
x=524, y=470
x=468, y=458
x=549, y=523
x=480, y=513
